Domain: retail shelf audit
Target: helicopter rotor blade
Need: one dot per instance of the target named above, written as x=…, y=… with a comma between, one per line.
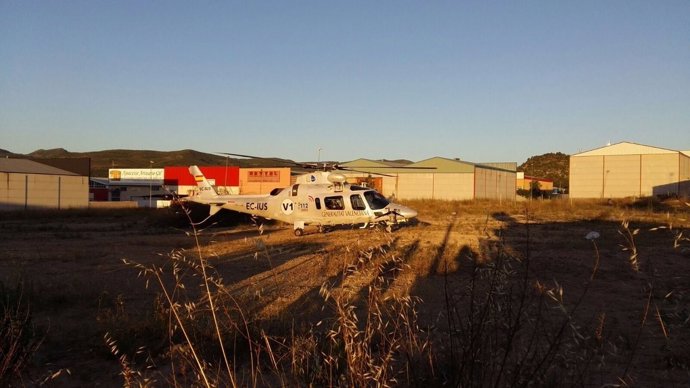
x=365, y=172
x=284, y=162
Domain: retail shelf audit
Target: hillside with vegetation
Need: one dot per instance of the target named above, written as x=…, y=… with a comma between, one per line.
x=101, y=161
x=555, y=166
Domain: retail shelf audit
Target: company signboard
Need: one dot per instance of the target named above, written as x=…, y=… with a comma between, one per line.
x=263, y=175
x=135, y=176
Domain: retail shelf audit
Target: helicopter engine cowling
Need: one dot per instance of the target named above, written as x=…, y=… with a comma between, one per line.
x=335, y=177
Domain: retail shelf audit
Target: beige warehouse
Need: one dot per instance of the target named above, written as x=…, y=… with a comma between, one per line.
x=438, y=178
x=25, y=184
x=629, y=170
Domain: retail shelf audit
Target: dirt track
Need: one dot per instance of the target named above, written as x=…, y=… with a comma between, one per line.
x=79, y=288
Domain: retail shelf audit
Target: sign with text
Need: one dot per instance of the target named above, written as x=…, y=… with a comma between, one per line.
x=135, y=176
x=263, y=176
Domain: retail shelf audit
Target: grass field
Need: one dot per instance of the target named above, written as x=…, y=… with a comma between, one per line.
x=545, y=293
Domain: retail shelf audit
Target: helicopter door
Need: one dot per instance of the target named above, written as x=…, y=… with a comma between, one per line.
x=295, y=189
x=357, y=202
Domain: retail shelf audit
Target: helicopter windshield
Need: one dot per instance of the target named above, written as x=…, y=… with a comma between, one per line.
x=375, y=200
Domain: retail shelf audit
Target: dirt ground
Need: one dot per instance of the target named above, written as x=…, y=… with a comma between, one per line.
x=71, y=270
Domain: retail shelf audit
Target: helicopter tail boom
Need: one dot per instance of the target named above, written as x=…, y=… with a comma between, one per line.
x=206, y=190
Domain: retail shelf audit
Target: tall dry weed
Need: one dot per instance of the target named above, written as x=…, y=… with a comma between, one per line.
x=19, y=339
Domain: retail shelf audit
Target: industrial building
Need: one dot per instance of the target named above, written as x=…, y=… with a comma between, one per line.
x=154, y=187
x=437, y=178
x=263, y=180
x=629, y=170
x=26, y=184
x=526, y=182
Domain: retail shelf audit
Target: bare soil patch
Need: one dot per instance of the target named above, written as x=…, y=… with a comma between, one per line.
x=71, y=270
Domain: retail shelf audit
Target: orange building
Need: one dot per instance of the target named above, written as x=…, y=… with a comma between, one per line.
x=263, y=180
x=525, y=182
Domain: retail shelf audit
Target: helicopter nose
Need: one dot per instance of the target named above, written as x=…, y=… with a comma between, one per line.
x=408, y=213
x=404, y=211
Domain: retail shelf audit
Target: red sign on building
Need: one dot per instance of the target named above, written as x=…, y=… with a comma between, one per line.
x=263, y=176
x=223, y=176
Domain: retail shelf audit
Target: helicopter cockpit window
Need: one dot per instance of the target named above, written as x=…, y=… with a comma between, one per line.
x=276, y=191
x=357, y=202
x=334, y=203
x=375, y=200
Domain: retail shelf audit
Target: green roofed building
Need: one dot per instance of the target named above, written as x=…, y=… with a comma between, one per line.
x=436, y=178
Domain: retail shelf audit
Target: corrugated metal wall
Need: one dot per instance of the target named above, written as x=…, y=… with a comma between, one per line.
x=659, y=173
x=494, y=184
x=586, y=177
x=415, y=186
x=617, y=176
x=453, y=186
x=32, y=191
x=684, y=166
x=621, y=176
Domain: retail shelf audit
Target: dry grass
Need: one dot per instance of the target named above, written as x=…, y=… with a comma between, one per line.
x=477, y=294
x=19, y=339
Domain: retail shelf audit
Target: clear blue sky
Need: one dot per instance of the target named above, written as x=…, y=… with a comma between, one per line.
x=478, y=80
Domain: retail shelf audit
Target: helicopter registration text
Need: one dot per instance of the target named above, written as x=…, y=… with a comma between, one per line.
x=256, y=205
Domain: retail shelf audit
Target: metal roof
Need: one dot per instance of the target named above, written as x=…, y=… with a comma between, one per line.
x=432, y=165
x=443, y=165
x=626, y=148
x=26, y=166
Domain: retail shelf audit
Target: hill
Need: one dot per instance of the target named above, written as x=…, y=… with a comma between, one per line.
x=552, y=165
x=101, y=161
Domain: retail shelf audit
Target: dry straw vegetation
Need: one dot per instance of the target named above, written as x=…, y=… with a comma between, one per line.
x=483, y=293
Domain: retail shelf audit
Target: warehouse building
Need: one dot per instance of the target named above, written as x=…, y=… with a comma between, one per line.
x=526, y=182
x=629, y=170
x=155, y=187
x=436, y=178
x=25, y=184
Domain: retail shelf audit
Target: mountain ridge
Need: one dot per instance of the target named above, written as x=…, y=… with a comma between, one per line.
x=103, y=160
x=552, y=165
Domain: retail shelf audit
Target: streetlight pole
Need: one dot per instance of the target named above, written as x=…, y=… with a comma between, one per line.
x=150, y=180
x=318, y=155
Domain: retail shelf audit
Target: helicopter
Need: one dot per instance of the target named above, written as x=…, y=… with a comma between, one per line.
x=321, y=198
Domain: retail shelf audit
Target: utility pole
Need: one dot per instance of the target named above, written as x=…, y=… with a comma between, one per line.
x=150, y=180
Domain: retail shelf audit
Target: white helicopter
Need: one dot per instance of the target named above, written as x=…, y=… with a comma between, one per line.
x=321, y=198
